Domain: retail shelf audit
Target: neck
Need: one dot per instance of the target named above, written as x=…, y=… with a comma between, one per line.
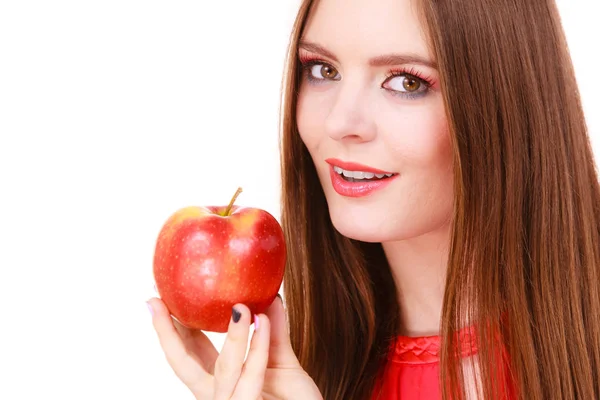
x=419, y=269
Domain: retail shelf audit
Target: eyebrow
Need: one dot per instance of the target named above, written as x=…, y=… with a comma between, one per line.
x=379, y=61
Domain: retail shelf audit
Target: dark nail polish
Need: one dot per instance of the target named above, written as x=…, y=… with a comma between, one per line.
x=236, y=315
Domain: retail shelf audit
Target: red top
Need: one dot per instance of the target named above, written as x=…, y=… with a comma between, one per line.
x=413, y=368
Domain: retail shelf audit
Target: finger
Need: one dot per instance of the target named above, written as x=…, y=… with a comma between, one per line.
x=188, y=369
x=228, y=366
x=281, y=353
x=251, y=381
x=199, y=344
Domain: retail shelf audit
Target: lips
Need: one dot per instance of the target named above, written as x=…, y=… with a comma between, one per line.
x=357, y=180
x=352, y=166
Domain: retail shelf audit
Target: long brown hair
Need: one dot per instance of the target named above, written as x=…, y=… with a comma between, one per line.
x=525, y=248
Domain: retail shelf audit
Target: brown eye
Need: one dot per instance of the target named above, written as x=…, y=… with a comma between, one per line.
x=406, y=84
x=411, y=84
x=328, y=72
x=321, y=72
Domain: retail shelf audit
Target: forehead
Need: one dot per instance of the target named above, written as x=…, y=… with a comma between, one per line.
x=367, y=28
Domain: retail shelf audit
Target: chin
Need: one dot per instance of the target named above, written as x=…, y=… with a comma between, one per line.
x=370, y=225
x=365, y=228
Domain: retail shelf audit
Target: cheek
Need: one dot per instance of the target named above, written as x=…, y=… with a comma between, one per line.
x=419, y=135
x=304, y=120
x=311, y=112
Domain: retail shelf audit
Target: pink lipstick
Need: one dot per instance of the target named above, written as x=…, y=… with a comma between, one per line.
x=357, y=180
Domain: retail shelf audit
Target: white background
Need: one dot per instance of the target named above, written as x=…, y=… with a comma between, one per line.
x=113, y=114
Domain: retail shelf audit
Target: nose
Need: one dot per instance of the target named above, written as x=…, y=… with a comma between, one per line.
x=350, y=117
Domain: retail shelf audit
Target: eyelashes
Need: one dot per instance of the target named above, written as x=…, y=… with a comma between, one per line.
x=308, y=63
x=406, y=81
x=411, y=72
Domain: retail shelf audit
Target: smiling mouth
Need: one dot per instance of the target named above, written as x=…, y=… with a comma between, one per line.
x=360, y=176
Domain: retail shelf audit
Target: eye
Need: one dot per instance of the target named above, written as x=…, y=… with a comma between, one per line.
x=405, y=83
x=321, y=71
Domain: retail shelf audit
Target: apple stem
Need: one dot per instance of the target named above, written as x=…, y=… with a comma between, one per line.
x=228, y=209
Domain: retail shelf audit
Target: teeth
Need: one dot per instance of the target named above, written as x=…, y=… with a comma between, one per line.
x=358, y=174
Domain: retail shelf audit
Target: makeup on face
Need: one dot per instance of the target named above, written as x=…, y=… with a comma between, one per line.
x=357, y=180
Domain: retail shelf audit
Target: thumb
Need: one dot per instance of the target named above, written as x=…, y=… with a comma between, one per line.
x=281, y=353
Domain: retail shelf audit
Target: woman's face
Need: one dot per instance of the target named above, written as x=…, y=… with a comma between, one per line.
x=369, y=106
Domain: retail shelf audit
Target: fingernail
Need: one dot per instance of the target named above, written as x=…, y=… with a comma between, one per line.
x=150, y=309
x=236, y=315
x=255, y=322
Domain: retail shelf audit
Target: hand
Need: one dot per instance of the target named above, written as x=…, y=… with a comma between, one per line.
x=270, y=371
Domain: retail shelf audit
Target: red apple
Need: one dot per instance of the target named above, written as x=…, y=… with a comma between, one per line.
x=209, y=258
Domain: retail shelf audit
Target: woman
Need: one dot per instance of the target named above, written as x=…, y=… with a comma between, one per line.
x=442, y=213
